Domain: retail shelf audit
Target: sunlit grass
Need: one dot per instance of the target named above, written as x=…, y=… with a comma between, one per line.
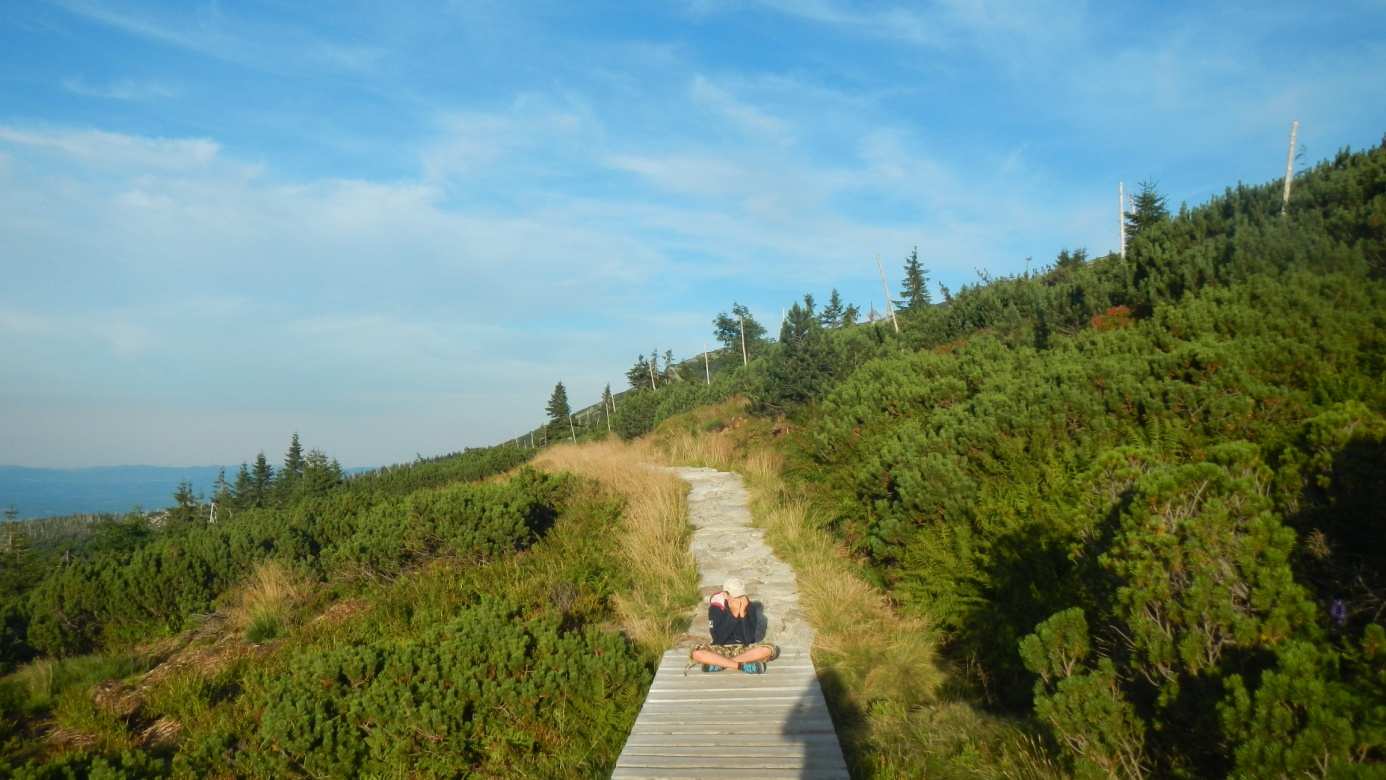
x=652, y=535
x=264, y=605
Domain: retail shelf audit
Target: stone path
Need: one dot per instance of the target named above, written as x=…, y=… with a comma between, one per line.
x=698, y=725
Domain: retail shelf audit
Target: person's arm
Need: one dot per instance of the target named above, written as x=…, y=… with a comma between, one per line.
x=743, y=630
x=719, y=623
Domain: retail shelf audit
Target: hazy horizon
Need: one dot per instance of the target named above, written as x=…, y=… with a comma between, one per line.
x=392, y=230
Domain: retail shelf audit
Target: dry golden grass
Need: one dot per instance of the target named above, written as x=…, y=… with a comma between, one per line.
x=266, y=600
x=653, y=537
x=877, y=653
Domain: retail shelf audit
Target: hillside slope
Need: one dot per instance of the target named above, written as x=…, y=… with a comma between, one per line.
x=1142, y=499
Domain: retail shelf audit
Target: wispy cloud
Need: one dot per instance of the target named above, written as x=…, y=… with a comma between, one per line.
x=899, y=23
x=105, y=148
x=205, y=31
x=123, y=89
x=745, y=115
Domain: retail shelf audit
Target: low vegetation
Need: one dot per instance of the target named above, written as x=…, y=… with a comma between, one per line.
x=402, y=624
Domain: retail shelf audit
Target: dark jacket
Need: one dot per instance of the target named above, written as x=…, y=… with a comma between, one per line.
x=729, y=630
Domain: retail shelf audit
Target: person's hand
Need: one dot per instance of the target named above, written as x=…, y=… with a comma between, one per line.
x=738, y=606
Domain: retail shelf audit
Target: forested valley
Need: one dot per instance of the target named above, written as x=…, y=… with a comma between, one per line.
x=1139, y=502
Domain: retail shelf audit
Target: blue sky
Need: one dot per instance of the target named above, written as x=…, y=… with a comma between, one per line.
x=392, y=227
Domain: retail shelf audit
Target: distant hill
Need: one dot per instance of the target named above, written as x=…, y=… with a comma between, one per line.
x=37, y=492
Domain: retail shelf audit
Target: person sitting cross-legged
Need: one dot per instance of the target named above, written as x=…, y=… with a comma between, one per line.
x=731, y=619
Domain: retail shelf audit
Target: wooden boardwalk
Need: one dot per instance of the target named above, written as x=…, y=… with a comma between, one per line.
x=773, y=725
x=731, y=724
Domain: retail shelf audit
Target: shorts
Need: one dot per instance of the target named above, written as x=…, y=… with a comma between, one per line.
x=731, y=651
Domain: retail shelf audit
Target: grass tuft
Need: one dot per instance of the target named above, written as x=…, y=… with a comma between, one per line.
x=266, y=602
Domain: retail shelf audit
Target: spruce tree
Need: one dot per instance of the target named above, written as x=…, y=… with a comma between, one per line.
x=243, y=491
x=319, y=473
x=293, y=461
x=557, y=406
x=221, y=489
x=915, y=285
x=1147, y=210
x=851, y=314
x=261, y=478
x=831, y=316
x=803, y=364
x=560, y=414
x=638, y=375
x=185, y=504
x=669, y=373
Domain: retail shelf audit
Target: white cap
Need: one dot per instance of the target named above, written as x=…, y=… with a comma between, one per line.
x=734, y=587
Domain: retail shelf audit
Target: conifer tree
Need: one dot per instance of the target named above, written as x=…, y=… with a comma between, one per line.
x=851, y=314
x=810, y=304
x=293, y=461
x=221, y=489
x=319, y=473
x=261, y=478
x=557, y=406
x=669, y=373
x=915, y=286
x=804, y=362
x=831, y=316
x=243, y=491
x=1147, y=210
x=185, y=504
x=638, y=375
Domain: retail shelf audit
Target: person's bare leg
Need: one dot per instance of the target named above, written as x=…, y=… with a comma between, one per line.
x=709, y=657
x=754, y=654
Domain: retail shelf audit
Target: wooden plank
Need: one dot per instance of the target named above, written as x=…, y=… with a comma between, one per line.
x=745, y=764
x=722, y=715
x=713, y=691
x=798, y=750
x=710, y=740
x=669, y=773
x=713, y=688
x=789, y=697
x=708, y=726
x=716, y=729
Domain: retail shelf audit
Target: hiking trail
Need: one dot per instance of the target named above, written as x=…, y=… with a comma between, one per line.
x=699, y=725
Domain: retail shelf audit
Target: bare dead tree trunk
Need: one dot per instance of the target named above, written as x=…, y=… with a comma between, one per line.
x=1289, y=169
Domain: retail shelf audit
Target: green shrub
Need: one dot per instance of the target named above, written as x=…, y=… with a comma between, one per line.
x=489, y=692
